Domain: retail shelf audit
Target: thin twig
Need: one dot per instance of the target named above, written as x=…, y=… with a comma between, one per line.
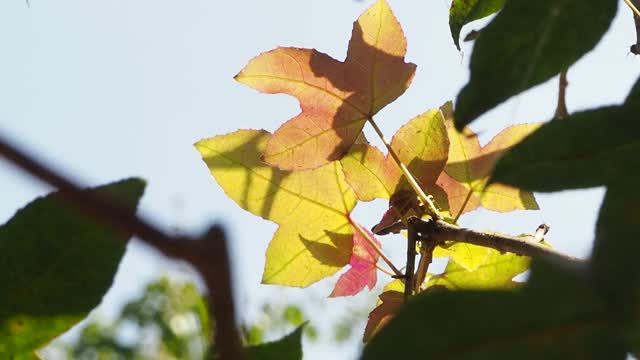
x=384, y=270
x=439, y=231
x=635, y=48
x=561, y=107
x=426, y=256
x=633, y=8
x=464, y=204
x=409, y=273
x=432, y=210
x=377, y=248
x=209, y=254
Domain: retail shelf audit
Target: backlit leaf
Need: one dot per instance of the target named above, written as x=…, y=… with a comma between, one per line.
x=421, y=144
x=468, y=256
x=57, y=265
x=470, y=165
x=463, y=12
x=314, y=239
x=389, y=303
x=589, y=148
x=527, y=43
x=336, y=97
x=496, y=272
x=363, y=270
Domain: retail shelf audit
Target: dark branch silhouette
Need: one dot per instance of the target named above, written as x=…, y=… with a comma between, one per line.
x=208, y=254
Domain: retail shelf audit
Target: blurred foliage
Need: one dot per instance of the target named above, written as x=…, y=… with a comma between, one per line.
x=169, y=321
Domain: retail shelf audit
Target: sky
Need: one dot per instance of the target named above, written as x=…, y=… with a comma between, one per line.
x=104, y=90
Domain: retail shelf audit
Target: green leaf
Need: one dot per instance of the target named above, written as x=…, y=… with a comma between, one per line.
x=589, y=148
x=496, y=272
x=287, y=348
x=463, y=12
x=556, y=316
x=526, y=44
x=615, y=254
x=468, y=256
x=634, y=94
x=57, y=264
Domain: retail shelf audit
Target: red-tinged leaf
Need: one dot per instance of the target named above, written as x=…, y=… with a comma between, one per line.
x=389, y=219
x=336, y=97
x=421, y=144
x=470, y=165
x=363, y=271
x=390, y=302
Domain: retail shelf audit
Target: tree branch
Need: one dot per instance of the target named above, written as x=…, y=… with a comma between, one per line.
x=634, y=5
x=439, y=231
x=561, y=108
x=209, y=254
x=412, y=238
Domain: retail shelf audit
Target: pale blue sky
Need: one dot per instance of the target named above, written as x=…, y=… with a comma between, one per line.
x=110, y=89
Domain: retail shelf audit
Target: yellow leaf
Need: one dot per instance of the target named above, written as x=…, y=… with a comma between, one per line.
x=311, y=207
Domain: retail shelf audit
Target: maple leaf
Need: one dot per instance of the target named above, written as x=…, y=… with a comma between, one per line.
x=388, y=304
x=336, y=97
x=363, y=271
x=470, y=165
x=422, y=144
x=495, y=272
x=314, y=239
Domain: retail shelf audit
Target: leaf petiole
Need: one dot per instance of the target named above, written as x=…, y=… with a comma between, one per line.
x=633, y=8
x=431, y=207
x=377, y=249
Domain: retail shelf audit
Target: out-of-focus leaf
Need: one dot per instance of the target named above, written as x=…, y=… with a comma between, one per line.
x=634, y=94
x=557, y=316
x=314, y=239
x=287, y=348
x=463, y=12
x=527, y=43
x=589, y=148
x=336, y=97
x=293, y=314
x=470, y=165
x=363, y=270
x=57, y=265
x=615, y=250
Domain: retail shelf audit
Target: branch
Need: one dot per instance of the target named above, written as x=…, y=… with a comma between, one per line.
x=209, y=254
x=439, y=231
x=633, y=5
x=412, y=238
x=561, y=108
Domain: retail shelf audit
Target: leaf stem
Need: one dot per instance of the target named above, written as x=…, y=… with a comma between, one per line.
x=432, y=210
x=464, y=204
x=384, y=270
x=208, y=254
x=633, y=8
x=377, y=249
